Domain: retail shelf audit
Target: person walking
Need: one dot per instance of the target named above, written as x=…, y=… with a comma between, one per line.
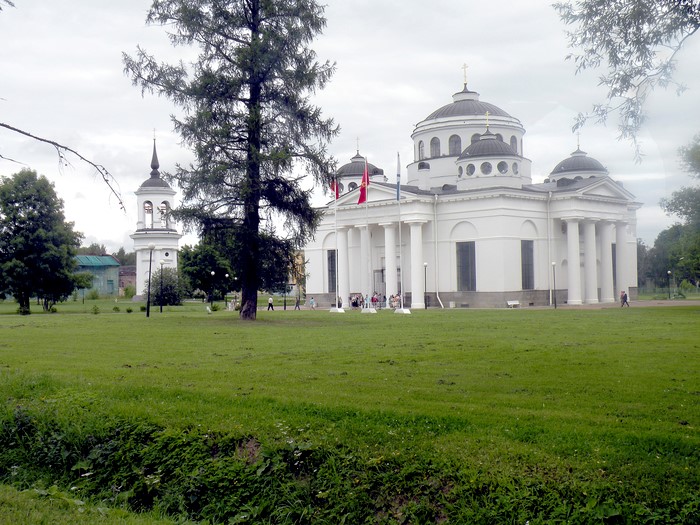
x=623, y=299
x=270, y=306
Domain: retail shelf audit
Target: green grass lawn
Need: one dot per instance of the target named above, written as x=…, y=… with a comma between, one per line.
x=605, y=401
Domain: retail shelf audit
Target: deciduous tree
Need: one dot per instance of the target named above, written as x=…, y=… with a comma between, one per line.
x=248, y=118
x=636, y=43
x=37, y=245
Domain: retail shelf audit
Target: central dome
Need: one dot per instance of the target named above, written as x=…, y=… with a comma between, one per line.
x=467, y=103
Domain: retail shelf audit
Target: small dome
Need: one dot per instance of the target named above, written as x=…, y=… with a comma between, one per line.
x=578, y=161
x=467, y=103
x=488, y=146
x=356, y=167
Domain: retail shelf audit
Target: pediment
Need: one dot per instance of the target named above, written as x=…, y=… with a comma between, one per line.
x=606, y=187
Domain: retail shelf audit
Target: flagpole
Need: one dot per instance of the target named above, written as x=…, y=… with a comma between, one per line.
x=334, y=307
x=401, y=309
x=368, y=298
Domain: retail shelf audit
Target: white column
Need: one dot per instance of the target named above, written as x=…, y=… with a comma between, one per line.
x=574, y=261
x=390, y=259
x=417, y=285
x=607, y=290
x=365, y=256
x=343, y=266
x=589, y=262
x=620, y=255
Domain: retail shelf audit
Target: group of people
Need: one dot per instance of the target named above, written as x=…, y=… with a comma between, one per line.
x=373, y=301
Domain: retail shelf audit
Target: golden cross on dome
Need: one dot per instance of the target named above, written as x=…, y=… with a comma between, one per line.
x=358, y=144
x=464, y=67
x=487, y=120
x=578, y=140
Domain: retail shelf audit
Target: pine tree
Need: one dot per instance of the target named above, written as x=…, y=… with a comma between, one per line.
x=247, y=117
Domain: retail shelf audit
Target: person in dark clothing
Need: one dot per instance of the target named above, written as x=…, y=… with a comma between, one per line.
x=623, y=299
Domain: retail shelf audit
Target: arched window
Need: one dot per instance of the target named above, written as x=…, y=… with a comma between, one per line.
x=352, y=186
x=423, y=166
x=163, y=209
x=148, y=214
x=455, y=145
x=514, y=143
x=435, y=147
x=421, y=150
x=475, y=138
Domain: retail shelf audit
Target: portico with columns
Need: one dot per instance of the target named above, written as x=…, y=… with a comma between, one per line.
x=471, y=228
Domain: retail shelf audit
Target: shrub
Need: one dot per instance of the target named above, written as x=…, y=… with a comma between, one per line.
x=215, y=307
x=95, y=309
x=129, y=291
x=53, y=310
x=129, y=309
x=143, y=308
x=116, y=309
x=92, y=295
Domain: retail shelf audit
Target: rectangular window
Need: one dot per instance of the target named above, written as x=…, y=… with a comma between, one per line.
x=527, y=264
x=466, y=266
x=331, y=271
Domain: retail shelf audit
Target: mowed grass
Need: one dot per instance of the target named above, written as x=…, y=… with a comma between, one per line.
x=608, y=396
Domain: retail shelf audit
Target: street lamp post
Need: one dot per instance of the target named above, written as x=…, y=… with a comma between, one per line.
x=160, y=300
x=554, y=281
x=668, y=282
x=425, y=284
x=226, y=292
x=151, y=247
x=211, y=297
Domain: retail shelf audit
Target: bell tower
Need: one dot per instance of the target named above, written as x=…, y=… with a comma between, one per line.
x=156, y=241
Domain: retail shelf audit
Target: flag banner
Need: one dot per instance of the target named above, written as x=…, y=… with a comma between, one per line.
x=335, y=188
x=363, y=186
x=398, y=176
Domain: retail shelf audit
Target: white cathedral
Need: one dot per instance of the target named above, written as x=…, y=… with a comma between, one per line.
x=471, y=229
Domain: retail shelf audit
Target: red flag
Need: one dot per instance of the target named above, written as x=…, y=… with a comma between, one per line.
x=335, y=188
x=364, y=185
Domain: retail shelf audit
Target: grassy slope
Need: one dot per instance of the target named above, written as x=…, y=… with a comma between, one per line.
x=608, y=396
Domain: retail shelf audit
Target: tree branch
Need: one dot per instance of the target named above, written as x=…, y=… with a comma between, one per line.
x=61, y=150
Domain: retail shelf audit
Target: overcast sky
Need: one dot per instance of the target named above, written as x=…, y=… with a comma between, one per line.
x=62, y=77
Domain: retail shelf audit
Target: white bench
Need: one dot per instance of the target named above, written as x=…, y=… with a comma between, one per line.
x=513, y=304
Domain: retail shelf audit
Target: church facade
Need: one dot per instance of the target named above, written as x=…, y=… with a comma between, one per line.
x=470, y=229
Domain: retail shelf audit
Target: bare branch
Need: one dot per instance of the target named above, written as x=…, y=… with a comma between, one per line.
x=61, y=150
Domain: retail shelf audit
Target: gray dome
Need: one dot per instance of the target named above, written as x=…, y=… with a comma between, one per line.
x=578, y=161
x=356, y=167
x=467, y=103
x=488, y=146
x=467, y=108
x=154, y=182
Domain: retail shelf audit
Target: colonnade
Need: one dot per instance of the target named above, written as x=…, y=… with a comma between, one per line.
x=362, y=273
x=591, y=279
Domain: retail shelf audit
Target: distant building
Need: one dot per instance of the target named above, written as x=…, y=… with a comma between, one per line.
x=105, y=271
x=156, y=240
x=127, y=277
x=471, y=228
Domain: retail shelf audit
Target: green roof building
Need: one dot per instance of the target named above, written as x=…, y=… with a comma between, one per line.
x=105, y=271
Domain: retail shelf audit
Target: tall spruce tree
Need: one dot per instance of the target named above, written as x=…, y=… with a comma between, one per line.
x=248, y=118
